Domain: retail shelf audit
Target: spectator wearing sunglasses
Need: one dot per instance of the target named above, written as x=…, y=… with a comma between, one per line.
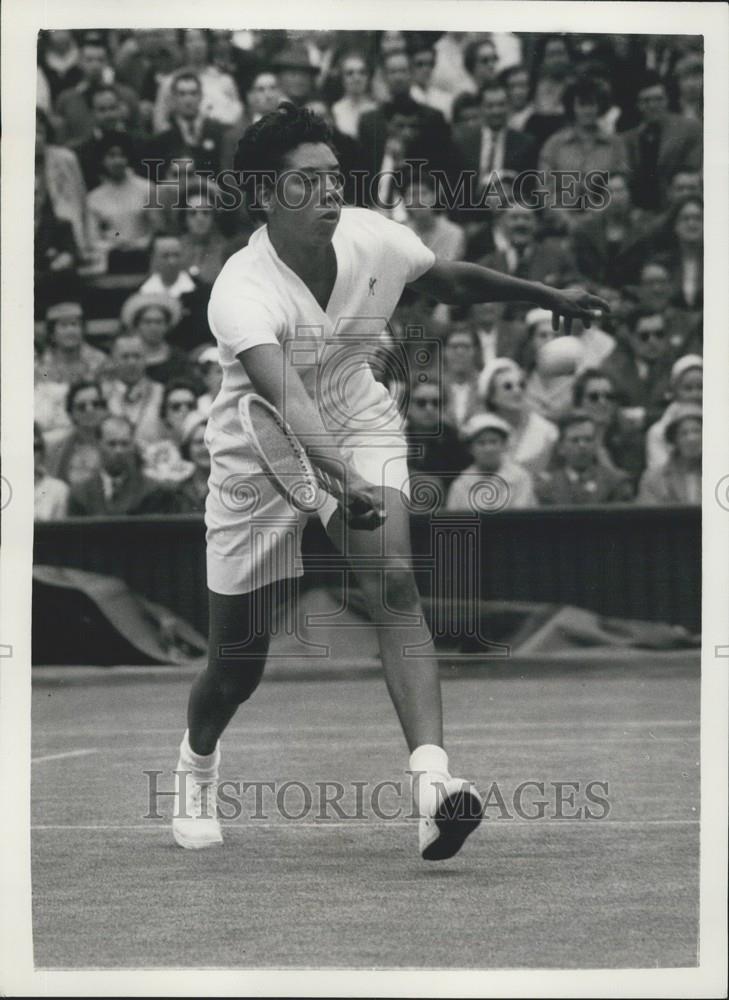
x=73, y=454
x=493, y=481
x=687, y=382
x=620, y=445
x=683, y=327
x=501, y=391
x=422, y=58
x=357, y=100
x=579, y=476
x=678, y=480
x=163, y=460
x=50, y=495
x=641, y=367
x=435, y=450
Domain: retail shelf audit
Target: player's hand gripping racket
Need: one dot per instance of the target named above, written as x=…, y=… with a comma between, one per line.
x=288, y=468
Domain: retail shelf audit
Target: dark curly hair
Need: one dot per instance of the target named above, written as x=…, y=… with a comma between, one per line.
x=262, y=149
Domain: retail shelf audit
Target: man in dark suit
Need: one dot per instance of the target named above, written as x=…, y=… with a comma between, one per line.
x=493, y=147
x=373, y=125
x=660, y=146
x=396, y=139
x=191, y=136
x=118, y=487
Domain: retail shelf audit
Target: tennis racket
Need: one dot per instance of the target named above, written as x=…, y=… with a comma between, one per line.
x=282, y=457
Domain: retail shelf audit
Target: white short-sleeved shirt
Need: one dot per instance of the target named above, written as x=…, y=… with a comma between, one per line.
x=258, y=299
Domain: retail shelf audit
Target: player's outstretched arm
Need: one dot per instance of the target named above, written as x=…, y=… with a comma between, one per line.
x=461, y=283
x=280, y=384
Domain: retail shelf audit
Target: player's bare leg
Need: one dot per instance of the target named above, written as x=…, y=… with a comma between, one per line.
x=449, y=807
x=238, y=646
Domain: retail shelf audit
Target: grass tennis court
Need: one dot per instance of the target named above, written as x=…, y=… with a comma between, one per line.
x=110, y=889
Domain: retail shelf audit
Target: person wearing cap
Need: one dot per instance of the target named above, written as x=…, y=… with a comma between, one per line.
x=493, y=481
x=687, y=379
x=121, y=216
x=296, y=74
x=501, y=388
x=153, y=315
x=578, y=475
x=67, y=357
x=678, y=480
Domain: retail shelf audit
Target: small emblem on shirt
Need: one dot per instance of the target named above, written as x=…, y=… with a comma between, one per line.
x=373, y=282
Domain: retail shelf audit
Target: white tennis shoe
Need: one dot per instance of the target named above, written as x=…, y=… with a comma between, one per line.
x=451, y=813
x=195, y=822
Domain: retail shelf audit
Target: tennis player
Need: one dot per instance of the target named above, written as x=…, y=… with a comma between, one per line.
x=294, y=314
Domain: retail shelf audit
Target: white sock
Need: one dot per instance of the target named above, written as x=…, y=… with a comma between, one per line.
x=203, y=767
x=429, y=768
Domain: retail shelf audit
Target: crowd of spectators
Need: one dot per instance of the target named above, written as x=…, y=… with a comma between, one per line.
x=133, y=129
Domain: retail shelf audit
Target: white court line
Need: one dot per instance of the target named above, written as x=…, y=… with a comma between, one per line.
x=588, y=728
x=284, y=746
x=60, y=756
x=368, y=824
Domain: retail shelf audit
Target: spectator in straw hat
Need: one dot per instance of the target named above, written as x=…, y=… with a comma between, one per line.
x=580, y=477
x=67, y=357
x=687, y=378
x=153, y=315
x=493, y=481
x=678, y=480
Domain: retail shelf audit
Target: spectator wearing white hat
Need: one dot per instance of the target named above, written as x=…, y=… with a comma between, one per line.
x=580, y=477
x=677, y=481
x=152, y=316
x=501, y=388
x=494, y=481
x=687, y=381
x=549, y=392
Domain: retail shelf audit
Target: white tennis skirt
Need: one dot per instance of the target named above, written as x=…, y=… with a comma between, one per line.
x=253, y=535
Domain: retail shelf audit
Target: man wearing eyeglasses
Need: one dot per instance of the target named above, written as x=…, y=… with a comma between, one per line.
x=640, y=368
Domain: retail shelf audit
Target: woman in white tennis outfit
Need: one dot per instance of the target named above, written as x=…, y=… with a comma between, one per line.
x=296, y=315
